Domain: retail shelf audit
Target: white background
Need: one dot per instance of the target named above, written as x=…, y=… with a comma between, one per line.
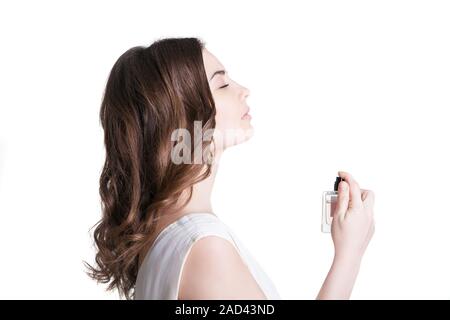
x=359, y=86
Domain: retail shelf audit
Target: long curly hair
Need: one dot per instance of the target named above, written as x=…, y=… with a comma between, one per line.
x=150, y=92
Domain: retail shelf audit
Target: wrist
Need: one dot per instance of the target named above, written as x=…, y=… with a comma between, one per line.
x=347, y=261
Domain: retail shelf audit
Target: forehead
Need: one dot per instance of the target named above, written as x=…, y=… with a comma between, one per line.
x=211, y=63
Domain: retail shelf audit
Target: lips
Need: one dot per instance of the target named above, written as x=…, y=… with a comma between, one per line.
x=246, y=113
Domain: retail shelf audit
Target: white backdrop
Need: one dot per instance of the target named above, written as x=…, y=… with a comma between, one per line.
x=359, y=86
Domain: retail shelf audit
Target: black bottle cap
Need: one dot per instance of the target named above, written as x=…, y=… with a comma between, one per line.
x=336, y=183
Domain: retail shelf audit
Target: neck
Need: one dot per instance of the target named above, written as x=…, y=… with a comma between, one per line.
x=201, y=193
x=199, y=202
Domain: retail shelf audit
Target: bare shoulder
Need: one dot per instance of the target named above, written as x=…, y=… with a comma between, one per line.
x=214, y=270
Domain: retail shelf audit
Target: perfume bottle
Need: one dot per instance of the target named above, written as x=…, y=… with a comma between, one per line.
x=329, y=201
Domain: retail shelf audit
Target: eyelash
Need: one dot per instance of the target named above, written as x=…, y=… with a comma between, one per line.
x=224, y=86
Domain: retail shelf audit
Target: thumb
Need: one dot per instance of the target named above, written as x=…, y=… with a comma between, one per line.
x=343, y=199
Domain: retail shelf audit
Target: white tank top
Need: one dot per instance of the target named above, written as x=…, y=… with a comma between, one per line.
x=160, y=272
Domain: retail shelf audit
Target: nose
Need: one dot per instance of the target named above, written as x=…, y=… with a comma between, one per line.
x=245, y=92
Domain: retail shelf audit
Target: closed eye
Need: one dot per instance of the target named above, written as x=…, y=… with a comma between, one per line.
x=224, y=86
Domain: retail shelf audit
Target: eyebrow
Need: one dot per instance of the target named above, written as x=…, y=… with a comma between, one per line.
x=217, y=72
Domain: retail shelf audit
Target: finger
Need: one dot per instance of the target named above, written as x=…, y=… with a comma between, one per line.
x=372, y=230
x=368, y=198
x=370, y=234
x=362, y=193
x=342, y=200
x=355, y=192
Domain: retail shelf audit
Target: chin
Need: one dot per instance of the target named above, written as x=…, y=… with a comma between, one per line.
x=248, y=133
x=247, y=128
x=242, y=135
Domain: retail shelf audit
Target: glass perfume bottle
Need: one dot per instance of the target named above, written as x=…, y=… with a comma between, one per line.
x=329, y=200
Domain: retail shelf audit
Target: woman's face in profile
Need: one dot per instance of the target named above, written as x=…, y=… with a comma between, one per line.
x=232, y=119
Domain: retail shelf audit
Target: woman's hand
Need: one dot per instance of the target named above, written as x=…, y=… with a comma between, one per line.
x=353, y=224
x=352, y=229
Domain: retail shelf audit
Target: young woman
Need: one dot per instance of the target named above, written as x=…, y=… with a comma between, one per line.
x=159, y=237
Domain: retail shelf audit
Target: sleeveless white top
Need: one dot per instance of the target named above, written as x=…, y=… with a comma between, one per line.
x=160, y=273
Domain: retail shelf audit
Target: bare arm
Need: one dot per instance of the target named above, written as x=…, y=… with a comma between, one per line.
x=339, y=282
x=214, y=270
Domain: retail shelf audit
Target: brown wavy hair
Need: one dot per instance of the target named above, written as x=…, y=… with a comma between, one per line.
x=150, y=92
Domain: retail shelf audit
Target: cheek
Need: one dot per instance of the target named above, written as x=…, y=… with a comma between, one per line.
x=227, y=115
